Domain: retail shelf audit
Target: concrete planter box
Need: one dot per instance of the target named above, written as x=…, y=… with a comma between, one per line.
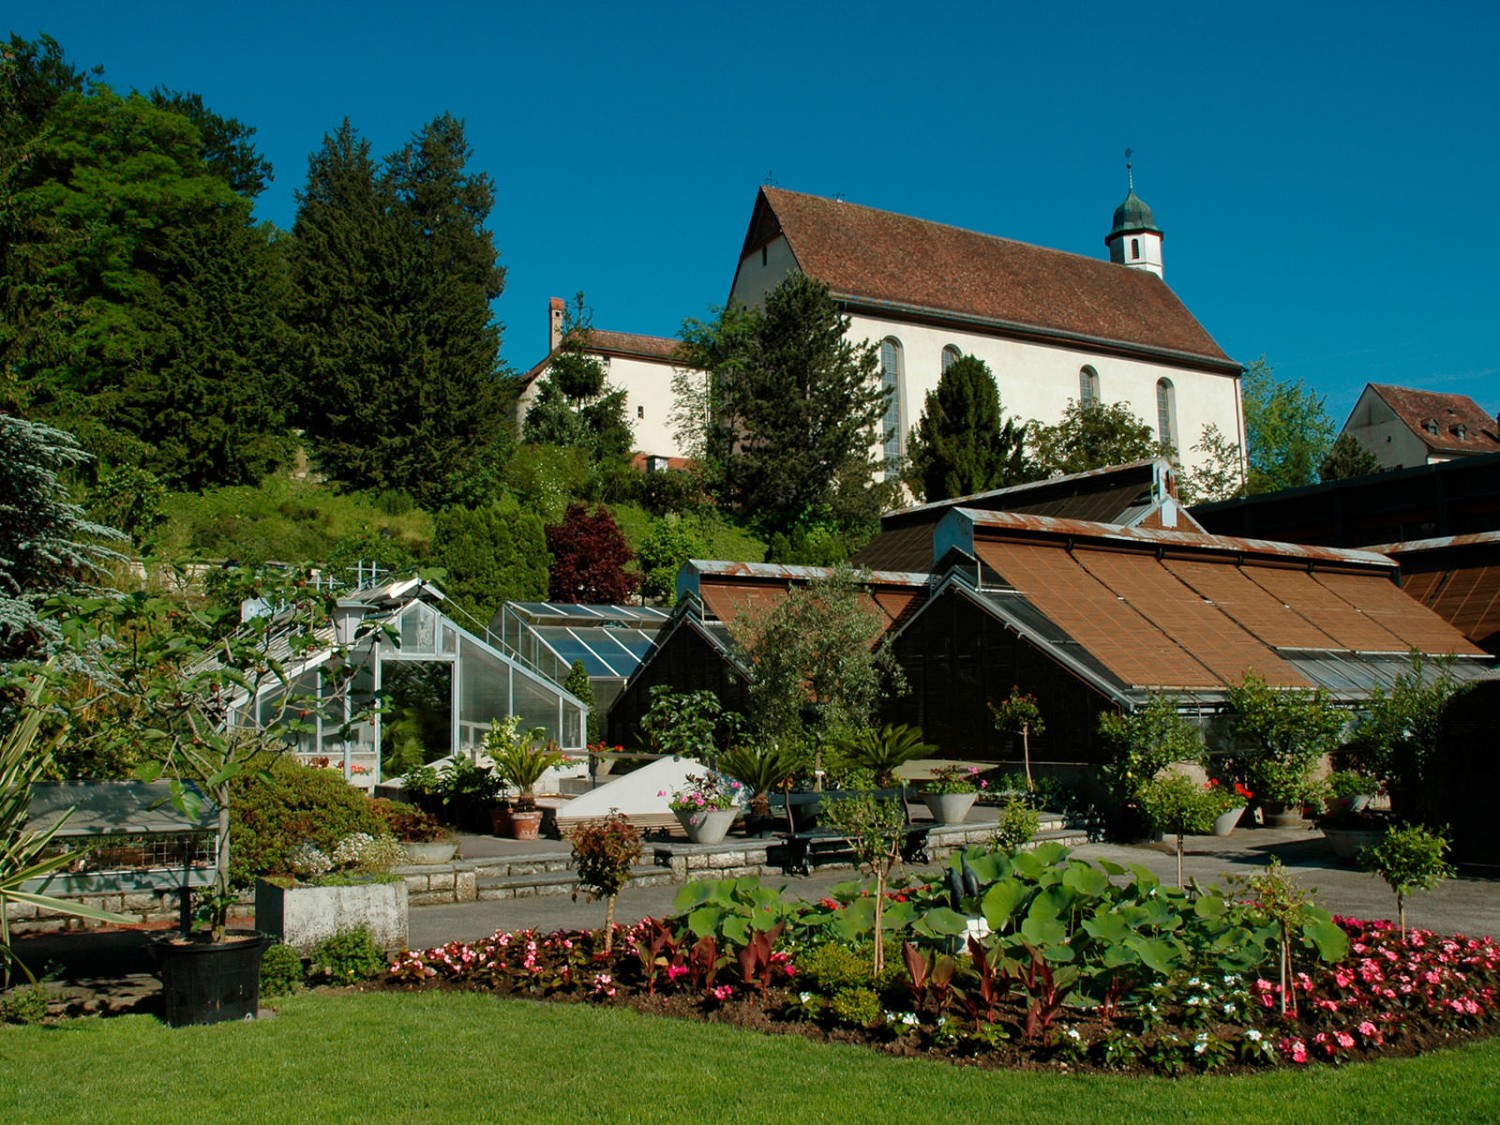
x=303, y=916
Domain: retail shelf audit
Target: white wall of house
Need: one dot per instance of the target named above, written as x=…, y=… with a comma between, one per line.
x=1378, y=428
x=648, y=401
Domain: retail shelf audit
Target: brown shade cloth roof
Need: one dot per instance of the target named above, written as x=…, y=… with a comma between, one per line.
x=1466, y=597
x=730, y=591
x=897, y=261
x=1200, y=613
x=1417, y=408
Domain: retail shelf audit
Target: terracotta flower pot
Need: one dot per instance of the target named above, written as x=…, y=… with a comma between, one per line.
x=526, y=825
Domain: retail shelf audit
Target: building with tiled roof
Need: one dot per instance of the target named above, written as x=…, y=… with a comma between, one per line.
x=1403, y=427
x=1052, y=326
x=641, y=366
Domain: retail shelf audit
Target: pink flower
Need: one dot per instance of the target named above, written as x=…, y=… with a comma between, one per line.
x=723, y=992
x=1345, y=1040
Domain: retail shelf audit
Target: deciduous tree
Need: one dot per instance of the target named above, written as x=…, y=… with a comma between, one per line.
x=589, y=554
x=1091, y=436
x=1347, y=458
x=1287, y=430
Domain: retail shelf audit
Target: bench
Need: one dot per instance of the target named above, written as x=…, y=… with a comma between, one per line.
x=806, y=837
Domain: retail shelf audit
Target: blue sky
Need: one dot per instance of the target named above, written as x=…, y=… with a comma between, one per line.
x=1324, y=173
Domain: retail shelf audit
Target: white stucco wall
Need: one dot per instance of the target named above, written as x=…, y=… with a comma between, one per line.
x=648, y=402
x=1375, y=426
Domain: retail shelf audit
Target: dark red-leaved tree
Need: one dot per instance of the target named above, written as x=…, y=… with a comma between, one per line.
x=589, y=554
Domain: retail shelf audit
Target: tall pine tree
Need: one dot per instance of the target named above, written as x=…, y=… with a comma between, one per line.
x=961, y=446
x=395, y=272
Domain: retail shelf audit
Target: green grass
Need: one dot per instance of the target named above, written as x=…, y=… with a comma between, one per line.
x=466, y=1057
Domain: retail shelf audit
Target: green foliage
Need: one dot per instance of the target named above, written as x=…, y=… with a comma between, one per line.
x=581, y=688
x=347, y=957
x=882, y=751
x=731, y=910
x=277, y=809
x=1287, y=430
x=1090, y=436
x=812, y=400
x=24, y=1006
x=47, y=544
x=589, y=556
x=491, y=555
x=765, y=766
x=546, y=478
x=832, y=966
x=1293, y=923
x=1346, y=459
x=960, y=445
x=519, y=758
x=1220, y=473
x=1017, y=825
x=857, y=1007
x=1178, y=805
x=687, y=724
x=407, y=822
x=814, y=647
x=131, y=499
x=281, y=971
x=1145, y=742
x=670, y=543
x=1289, y=731
x=283, y=519
x=574, y=407
x=1409, y=858
x=24, y=851
x=1400, y=734
x=875, y=828
x=394, y=273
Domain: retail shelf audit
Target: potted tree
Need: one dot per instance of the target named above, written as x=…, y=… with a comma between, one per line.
x=1283, y=733
x=519, y=761
x=772, y=764
x=200, y=695
x=951, y=793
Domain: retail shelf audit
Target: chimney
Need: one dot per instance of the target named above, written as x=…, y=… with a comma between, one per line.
x=555, y=309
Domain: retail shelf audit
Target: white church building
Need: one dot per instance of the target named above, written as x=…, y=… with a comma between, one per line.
x=1052, y=326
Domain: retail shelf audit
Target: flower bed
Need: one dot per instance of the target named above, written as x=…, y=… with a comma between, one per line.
x=1156, y=994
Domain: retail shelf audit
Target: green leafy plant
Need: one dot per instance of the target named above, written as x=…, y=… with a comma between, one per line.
x=685, y=724
x=1016, y=826
x=279, y=808
x=1409, y=858
x=875, y=828
x=883, y=751
x=520, y=759
x=1145, y=742
x=26, y=854
x=281, y=971
x=346, y=957
x=857, y=1006
x=1179, y=805
x=766, y=766
x=1295, y=922
x=604, y=851
x=1400, y=730
x=955, y=779
x=1288, y=731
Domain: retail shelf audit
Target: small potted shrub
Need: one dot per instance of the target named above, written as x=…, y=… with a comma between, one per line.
x=770, y=766
x=519, y=761
x=324, y=892
x=1229, y=801
x=604, y=851
x=707, y=806
x=951, y=792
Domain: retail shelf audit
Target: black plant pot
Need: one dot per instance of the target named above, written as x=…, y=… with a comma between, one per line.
x=210, y=982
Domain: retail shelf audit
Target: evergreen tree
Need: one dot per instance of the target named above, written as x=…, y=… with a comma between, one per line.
x=1091, y=436
x=490, y=556
x=961, y=446
x=1348, y=458
x=395, y=273
x=799, y=405
x=574, y=406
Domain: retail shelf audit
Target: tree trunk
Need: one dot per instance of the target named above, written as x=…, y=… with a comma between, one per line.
x=609, y=923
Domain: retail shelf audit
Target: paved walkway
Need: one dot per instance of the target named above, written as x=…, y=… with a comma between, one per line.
x=1465, y=905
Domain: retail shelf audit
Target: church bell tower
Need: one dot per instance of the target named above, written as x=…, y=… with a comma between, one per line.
x=1135, y=240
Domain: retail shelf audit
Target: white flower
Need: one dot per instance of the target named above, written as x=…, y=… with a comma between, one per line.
x=1072, y=1033
x=1230, y=1008
x=1194, y=982
x=910, y=1019
x=805, y=997
x=1252, y=1035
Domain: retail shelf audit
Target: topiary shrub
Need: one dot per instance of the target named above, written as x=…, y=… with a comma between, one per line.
x=347, y=957
x=281, y=971
x=859, y=1007
x=271, y=815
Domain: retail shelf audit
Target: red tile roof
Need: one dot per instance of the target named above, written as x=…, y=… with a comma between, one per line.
x=924, y=268
x=1418, y=408
x=623, y=344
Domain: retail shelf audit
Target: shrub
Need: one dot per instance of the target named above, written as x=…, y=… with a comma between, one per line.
x=292, y=804
x=604, y=851
x=1016, y=825
x=26, y=1006
x=1409, y=858
x=346, y=957
x=859, y=1007
x=407, y=822
x=833, y=966
x=281, y=971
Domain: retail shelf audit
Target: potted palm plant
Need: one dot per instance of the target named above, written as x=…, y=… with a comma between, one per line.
x=519, y=761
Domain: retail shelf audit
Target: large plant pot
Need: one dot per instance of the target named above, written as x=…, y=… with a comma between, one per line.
x=1281, y=816
x=526, y=825
x=949, y=808
x=303, y=916
x=210, y=981
x=707, y=826
x=1225, y=822
x=1346, y=842
x=429, y=851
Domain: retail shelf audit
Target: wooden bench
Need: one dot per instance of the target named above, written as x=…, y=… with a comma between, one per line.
x=806, y=837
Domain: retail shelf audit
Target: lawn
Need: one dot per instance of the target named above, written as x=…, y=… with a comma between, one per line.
x=437, y=1056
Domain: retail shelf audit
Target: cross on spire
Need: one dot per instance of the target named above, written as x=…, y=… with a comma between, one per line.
x=1129, y=175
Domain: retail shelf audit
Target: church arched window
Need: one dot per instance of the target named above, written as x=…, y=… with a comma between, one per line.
x=1166, y=411
x=951, y=355
x=890, y=378
x=1088, y=386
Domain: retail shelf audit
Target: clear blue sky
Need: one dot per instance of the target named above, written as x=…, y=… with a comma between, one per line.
x=1325, y=173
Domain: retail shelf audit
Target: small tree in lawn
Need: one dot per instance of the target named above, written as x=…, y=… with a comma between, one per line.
x=875, y=828
x=1410, y=858
x=1020, y=715
x=604, y=851
x=589, y=554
